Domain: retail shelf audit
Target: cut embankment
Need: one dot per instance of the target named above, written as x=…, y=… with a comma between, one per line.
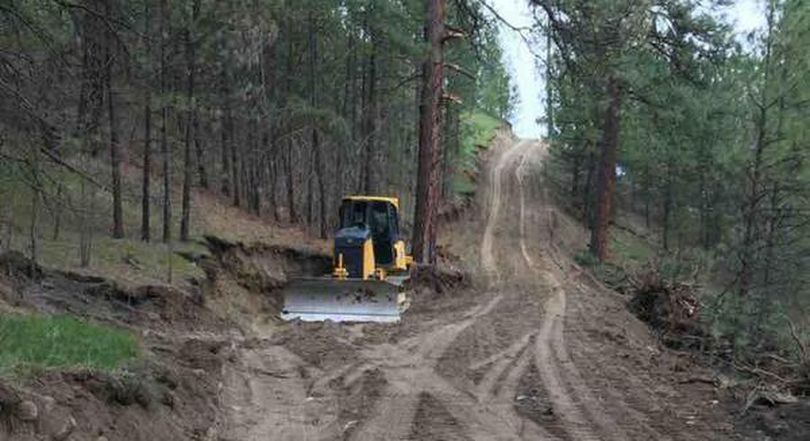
x=84, y=357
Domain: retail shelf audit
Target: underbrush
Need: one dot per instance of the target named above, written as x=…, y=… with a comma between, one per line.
x=687, y=302
x=39, y=342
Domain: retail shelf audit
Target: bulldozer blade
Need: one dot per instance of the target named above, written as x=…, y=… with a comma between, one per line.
x=348, y=300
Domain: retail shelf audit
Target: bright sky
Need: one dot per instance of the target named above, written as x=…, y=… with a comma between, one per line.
x=527, y=75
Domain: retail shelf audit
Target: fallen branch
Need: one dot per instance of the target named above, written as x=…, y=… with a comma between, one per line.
x=799, y=342
x=759, y=372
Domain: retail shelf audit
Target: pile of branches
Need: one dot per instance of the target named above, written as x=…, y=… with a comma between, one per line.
x=671, y=308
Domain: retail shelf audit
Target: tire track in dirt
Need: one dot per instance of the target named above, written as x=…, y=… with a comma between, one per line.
x=266, y=393
x=499, y=384
x=637, y=408
x=486, y=412
x=496, y=179
x=560, y=376
x=398, y=391
x=409, y=368
x=625, y=418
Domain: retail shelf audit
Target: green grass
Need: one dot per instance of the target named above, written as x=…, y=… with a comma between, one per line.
x=482, y=129
x=35, y=342
x=477, y=131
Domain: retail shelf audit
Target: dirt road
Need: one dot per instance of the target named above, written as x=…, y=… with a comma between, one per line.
x=538, y=351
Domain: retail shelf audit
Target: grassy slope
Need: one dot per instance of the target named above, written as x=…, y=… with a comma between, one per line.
x=129, y=260
x=477, y=130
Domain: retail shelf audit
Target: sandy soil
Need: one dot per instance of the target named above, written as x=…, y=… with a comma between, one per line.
x=536, y=350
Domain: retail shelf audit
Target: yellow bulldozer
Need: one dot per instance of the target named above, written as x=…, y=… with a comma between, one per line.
x=370, y=265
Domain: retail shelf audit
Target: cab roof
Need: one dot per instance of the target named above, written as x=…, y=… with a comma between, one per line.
x=391, y=200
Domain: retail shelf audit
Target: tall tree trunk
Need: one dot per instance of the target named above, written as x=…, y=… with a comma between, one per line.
x=587, y=192
x=288, y=163
x=647, y=195
x=549, y=91
x=191, y=117
x=316, y=144
x=667, y=209
x=273, y=190
x=253, y=189
x=115, y=158
x=369, y=122
x=606, y=177
x=202, y=172
x=348, y=114
x=33, y=232
x=236, y=176
x=290, y=182
x=427, y=191
x=164, y=141
x=322, y=199
x=225, y=124
x=146, y=233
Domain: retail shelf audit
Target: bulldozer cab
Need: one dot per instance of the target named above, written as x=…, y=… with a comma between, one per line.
x=366, y=283
x=377, y=215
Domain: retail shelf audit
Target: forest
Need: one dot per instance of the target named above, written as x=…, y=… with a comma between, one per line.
x=115, y=113
x=664, y=126
x=178, y=261
x=664, y=121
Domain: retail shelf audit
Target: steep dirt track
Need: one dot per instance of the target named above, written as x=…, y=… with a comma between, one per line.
x=541, y=352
